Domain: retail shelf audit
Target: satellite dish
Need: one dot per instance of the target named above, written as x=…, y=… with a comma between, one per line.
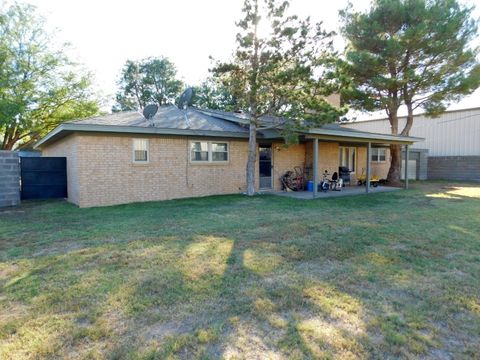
x=149, y=111
x=185, y=98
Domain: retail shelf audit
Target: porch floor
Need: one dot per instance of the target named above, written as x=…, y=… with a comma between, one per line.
x=346, y=191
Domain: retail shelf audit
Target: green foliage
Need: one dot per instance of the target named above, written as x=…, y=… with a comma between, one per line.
x=39, y=86
x=408, y=52
x=211, y=94
x=282, y=72
x=440, y=65
x=151, y=80
x=411, y=52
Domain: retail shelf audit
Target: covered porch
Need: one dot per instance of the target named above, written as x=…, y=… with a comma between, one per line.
x=328, y=148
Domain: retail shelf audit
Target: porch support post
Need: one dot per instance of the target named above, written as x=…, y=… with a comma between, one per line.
x=369, y=156
x=315, y=167
x=406, y=166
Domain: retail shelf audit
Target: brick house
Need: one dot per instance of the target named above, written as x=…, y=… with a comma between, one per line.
x=123, y=157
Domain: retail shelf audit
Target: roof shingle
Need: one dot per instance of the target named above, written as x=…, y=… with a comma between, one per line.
x=167, y=117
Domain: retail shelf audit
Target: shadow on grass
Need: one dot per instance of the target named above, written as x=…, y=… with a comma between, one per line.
x=376, y=276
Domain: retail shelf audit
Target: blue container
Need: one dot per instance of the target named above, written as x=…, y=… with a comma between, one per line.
x=310, y=186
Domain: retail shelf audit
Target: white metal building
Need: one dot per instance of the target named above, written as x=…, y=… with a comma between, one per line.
x=452, y=141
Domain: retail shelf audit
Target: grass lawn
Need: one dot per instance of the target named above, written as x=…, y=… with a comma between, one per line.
x=391, y=275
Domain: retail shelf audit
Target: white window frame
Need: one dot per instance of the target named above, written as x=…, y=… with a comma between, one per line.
x=147, y=142
x=354, y=163
x=210, y=152
x=376, y=157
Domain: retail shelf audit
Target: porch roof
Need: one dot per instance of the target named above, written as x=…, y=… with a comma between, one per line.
x=334, y=132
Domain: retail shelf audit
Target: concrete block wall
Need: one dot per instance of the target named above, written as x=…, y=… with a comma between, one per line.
x=9, y=178
x=454, y=167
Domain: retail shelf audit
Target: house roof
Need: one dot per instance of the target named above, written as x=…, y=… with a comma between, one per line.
x=167, y=117
x=169, y=120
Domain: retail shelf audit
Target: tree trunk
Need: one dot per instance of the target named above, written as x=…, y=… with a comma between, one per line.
x=9, y=138
x=408, y=125
x=253, y=103
x=394, y=173
x=252, y=158
x=393, y=176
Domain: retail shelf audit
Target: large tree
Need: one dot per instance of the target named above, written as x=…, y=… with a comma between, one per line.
x=39, y=86
x=278, y=70
x=147, y=81
x=409, y=52
x=212, y=94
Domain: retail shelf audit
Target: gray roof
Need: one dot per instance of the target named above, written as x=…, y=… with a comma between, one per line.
x=169, y=120
x=244, y=118
x=167, y=117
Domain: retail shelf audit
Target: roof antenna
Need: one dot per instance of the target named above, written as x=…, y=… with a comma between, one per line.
x=184, y=101
x=149, y=112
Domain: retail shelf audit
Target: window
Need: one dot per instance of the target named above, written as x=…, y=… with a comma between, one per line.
x=140, y=151
x=219, y=152
x=199, y=151
x=208, y=151
x=378, y=154
x=347, y=157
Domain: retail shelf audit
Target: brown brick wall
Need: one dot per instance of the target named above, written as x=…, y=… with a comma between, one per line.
x=327, y=157
x=101, y=169
x=68, y=147
x=379, y=169
x=101, y=172
x=329, y=160
x=284, y=159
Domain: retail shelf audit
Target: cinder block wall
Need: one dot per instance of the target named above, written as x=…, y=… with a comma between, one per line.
x=454, y=167
x=9, y=178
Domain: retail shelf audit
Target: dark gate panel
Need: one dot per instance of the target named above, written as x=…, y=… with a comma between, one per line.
x=43, y=177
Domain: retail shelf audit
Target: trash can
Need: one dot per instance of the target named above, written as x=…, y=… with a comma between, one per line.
x=310, y=186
